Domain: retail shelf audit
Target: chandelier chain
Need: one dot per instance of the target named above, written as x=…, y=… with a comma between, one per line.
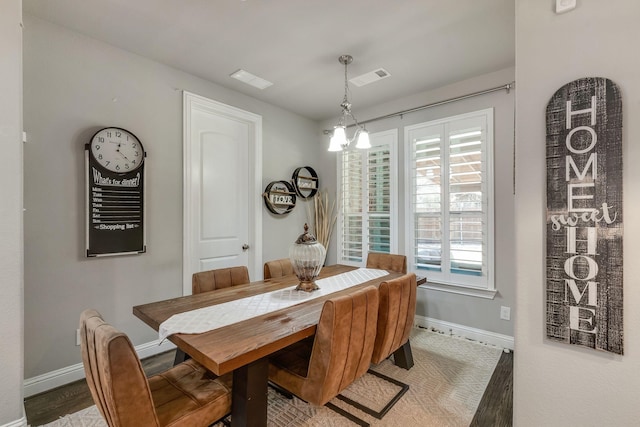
x=346, y=105
x=346, y=85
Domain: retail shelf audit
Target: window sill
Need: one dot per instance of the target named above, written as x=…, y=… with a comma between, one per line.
x=461, y=290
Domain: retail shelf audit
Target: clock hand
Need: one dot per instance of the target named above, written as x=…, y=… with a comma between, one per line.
x=125, y=157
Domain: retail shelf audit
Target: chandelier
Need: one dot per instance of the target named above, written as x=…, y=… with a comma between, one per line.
x=339, y=140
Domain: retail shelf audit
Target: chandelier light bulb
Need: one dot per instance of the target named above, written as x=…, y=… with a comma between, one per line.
x=363, y=140
x=338, y=140
x=334, y=145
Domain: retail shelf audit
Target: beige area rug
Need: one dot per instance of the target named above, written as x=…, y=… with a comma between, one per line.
x=446, y=384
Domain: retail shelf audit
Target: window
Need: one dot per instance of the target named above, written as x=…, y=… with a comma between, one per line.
x=367, y=189
x=450, y=190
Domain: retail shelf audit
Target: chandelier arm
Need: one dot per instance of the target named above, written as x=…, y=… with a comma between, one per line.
x=355, y=121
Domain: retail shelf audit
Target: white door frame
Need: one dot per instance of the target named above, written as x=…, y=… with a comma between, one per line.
x=193, y=102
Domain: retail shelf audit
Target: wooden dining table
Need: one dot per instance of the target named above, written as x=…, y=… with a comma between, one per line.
x=243, y=348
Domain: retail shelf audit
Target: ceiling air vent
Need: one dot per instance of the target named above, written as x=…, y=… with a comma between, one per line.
x=250, y=79
x=370, y=77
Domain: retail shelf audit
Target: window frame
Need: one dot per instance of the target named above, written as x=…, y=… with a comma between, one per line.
x=390, y=138
x=445, y=280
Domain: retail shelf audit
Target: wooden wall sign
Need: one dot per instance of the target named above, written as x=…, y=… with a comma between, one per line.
x=279, y=197
x=584, y=215
x=115, y=193
x=305, y=181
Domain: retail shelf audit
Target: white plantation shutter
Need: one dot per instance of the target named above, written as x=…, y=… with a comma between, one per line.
x=427, y=199
x=368, y=200
x=467, y=198
x=378, y=171
x=451, y=219
x=351, y=192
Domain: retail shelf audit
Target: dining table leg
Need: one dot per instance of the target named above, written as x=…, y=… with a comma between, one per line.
x=249, y=398
x=403, y=356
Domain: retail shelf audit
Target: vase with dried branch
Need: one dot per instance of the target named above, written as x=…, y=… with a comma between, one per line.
x=322, y=215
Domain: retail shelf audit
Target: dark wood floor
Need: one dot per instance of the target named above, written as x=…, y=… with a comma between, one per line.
x=46, y=407
x=495, y=409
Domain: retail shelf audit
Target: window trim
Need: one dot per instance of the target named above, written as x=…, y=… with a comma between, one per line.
x=377, y=139
x=486, y=289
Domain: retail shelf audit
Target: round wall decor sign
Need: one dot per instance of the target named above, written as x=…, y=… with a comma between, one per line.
x=279, y=197
x=305, y=181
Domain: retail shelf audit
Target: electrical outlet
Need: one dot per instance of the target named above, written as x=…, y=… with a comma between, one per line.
x=77, y=336
x=505, y=313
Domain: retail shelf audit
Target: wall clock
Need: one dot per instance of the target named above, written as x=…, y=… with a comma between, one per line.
x=117, y=150
x=115, y=174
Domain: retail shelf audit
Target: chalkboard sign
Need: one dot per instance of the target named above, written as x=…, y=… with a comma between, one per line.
x=584, y=215
x=115, y=194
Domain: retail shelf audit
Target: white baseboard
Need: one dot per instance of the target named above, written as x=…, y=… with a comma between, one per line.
x=75, y=372
x=22, y=422
x=493, y=338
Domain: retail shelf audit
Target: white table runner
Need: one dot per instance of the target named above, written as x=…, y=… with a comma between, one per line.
x=210, y=318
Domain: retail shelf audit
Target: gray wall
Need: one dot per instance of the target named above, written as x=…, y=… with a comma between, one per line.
x=559, y=384
x=11, y=305
x=464, y=310
x=74, y=85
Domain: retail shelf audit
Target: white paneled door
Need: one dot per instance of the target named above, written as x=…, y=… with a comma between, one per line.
x=222, y=187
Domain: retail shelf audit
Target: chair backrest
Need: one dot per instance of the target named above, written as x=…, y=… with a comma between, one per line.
x=210, y=280
x=90, y=364
x=390, y=262
x=396, y=313
x=114, y=374
x=343, y=344
x=277, y=268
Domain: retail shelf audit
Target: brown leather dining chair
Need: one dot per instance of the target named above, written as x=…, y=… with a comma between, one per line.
x=395, y=320
x=186, y=395
x=389, y=262
x=205, y=281
x=319, y=368
x=396, y=314
x=277, y=268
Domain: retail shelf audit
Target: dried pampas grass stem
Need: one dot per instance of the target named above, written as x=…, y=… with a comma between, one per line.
x=324, y=217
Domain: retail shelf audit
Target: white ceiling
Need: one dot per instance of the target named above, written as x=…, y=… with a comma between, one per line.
x=424, y=44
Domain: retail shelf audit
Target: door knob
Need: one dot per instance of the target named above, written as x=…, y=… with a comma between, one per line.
x=245, y=247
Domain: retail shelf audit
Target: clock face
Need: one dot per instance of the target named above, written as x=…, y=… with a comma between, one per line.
x=117, y=150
